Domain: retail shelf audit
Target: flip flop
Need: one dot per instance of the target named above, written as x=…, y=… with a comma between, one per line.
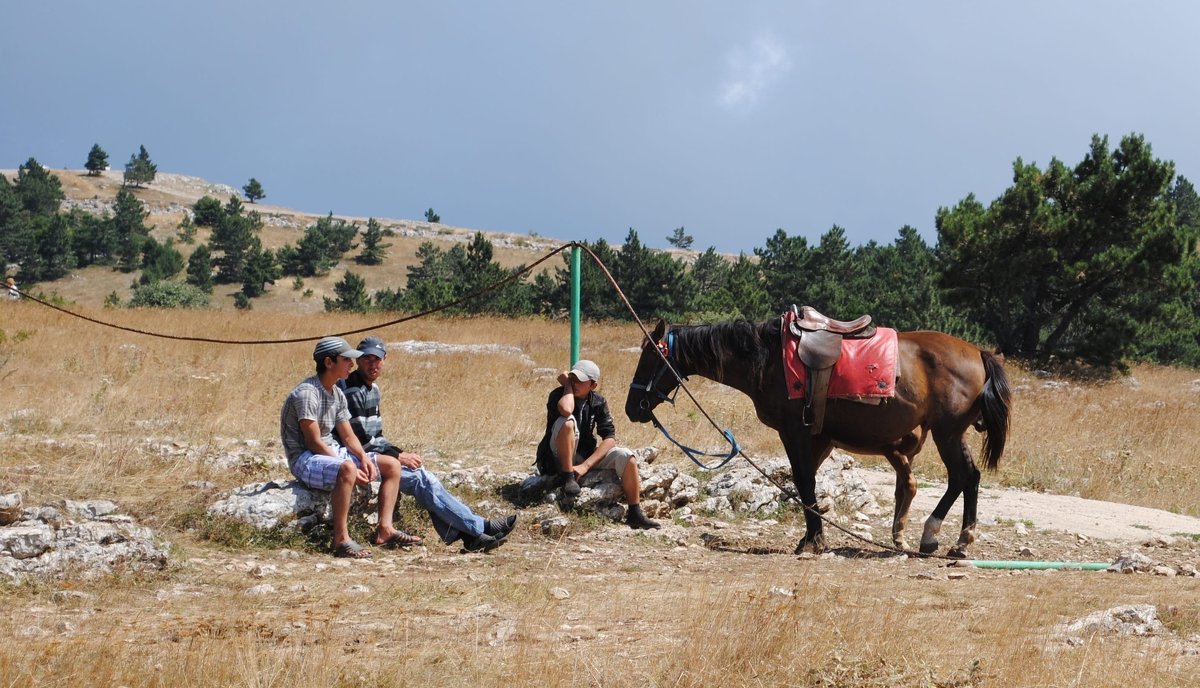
x=400, y=539
x=351, y=550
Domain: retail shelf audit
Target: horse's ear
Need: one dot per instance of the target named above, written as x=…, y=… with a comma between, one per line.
x=659, y=330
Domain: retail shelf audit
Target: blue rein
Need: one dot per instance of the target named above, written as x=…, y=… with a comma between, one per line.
x=651, y=387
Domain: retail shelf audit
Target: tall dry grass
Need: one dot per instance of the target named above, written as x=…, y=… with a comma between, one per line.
x=84, y=409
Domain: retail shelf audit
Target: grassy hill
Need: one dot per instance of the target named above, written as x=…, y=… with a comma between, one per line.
x=172, y=195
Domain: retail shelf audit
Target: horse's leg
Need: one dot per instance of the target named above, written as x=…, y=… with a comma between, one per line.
x=804, y=476
x=962, y=478
x=906, y=489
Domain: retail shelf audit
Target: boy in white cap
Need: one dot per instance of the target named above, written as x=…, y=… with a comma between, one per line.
x=313, y=420
x=575, y=414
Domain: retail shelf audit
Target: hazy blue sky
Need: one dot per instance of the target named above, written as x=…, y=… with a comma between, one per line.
x=579, y=120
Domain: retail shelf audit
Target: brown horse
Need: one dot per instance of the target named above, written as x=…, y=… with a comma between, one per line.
x=945, y=386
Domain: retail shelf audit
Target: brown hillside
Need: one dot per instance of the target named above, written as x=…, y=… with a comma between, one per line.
x=169, y=197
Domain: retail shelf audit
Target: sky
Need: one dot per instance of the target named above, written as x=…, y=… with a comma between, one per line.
x=581, y=120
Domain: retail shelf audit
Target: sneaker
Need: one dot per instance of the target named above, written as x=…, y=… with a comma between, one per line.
x=637, y=520
x=482, y=543
x=570, y=486
x=499, y=527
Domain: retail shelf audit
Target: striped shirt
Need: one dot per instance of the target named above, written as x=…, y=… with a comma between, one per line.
x=310, y=401
x=363, y=399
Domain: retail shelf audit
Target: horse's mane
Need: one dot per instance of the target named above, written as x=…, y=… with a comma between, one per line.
x=711, y=347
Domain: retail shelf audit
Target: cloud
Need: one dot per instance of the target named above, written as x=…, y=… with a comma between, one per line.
x=752, y=70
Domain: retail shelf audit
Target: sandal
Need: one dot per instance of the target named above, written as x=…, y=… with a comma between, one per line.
x=400, y=539
x=351, y=550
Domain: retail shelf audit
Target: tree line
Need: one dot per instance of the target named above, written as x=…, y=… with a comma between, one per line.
x=1096, y=264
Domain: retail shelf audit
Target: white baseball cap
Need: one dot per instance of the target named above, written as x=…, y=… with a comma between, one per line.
x=584, y=371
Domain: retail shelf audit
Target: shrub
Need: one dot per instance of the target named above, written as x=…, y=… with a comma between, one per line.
x=168, y=295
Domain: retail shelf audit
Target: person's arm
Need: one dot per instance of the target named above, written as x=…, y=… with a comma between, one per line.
x=602, y=449
x=608, y=436
x=311, y=432
x=566, y=403
x=368, y=471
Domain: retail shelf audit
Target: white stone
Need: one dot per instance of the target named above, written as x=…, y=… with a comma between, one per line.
x=10, y=508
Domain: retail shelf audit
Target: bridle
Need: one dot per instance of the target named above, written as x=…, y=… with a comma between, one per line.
x=668, y=363
x=666, y=350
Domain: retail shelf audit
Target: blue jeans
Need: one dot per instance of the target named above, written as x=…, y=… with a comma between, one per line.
x=451, y=518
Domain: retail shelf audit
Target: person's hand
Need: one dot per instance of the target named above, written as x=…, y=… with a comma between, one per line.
x=361, y=478
x=563, y=377
x=369, y=468
x=410, y=460
x=580, y=470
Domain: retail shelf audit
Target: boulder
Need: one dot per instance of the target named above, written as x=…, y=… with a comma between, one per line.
x=744, y=488
x=85, y=539
x=289, y=503
x=10, y=508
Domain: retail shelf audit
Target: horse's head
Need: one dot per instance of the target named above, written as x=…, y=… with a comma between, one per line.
x=653, y=380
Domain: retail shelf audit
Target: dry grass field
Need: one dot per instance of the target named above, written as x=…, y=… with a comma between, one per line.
x=86, y=410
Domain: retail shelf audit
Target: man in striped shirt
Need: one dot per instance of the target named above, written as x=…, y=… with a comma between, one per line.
x=324, y=454
x=452, y=519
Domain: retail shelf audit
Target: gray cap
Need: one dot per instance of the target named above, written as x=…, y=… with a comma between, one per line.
x=373, y=346
x=334, y=346
x=584, y=370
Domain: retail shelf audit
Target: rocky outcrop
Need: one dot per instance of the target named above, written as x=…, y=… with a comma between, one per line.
x=72, y=539
x=667, y=492
x=744, y=489
x=287, y=503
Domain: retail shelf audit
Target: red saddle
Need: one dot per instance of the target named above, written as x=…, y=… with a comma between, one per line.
x=865, y=370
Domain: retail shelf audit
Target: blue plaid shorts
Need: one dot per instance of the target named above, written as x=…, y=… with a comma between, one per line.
x=320, y=472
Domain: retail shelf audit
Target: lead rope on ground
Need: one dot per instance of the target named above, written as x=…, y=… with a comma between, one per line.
x=784, y=490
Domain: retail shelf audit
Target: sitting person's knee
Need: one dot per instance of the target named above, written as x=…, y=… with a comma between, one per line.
x=388, y=465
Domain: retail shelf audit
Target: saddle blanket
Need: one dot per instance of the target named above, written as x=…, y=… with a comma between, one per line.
x=866, y=370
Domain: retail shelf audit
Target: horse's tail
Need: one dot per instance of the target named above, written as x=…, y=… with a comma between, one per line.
x=997, y=402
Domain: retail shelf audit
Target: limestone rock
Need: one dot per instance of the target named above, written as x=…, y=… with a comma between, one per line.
x=1132, y=562
x=91, y=540
x=745, y=489
x=285, y=503
x=1132, y=619
x=10, y=508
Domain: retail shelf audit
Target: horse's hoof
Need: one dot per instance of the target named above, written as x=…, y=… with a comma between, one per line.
x=957, y=553
x=901, y=545
x=815, y=546
x=929, y=547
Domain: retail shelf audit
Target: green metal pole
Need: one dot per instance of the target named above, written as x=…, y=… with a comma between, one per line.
x=575, y=261
x=1084, y=566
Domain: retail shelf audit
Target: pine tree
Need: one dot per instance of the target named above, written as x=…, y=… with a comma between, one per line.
x=97, y=161
x=431, y=216
x=187, y=230
x=680, y=239
x=351, y=295
x=200, y=269
x=129, y=230
x=373, y=248
x=140, y=169
x=254, y=190
x=206, y=212
x=40, y=192
x=261, y=270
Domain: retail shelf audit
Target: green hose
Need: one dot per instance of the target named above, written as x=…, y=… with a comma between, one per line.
x=1084, y=566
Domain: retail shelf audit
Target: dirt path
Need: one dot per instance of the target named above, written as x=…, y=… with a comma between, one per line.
x=1073, y=515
